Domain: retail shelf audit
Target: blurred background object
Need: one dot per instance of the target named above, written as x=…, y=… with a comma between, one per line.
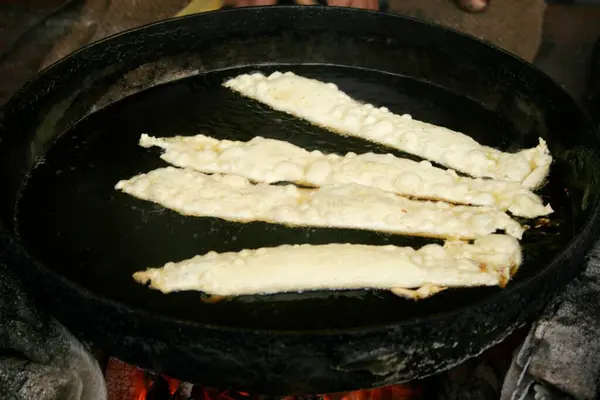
x=36, y=33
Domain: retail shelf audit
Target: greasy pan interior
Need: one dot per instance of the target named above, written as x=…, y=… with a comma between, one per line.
x=63, y=154
x=71, y=218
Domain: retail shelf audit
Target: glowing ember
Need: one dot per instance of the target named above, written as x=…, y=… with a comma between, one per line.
x=126, y=382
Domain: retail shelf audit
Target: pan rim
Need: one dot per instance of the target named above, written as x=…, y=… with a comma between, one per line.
x=582, y=238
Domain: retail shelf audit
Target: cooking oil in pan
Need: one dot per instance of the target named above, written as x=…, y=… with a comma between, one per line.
x=72, y=219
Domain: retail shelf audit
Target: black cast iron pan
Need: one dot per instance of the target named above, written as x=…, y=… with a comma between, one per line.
x=70, y=134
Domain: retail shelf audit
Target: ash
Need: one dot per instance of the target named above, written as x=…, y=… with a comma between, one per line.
x=39, y=358
x=561, y=356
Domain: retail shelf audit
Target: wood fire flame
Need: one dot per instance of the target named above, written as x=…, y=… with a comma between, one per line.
x=127, y=382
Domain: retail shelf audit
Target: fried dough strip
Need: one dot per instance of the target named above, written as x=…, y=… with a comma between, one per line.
x=325, y=105
x=269, y=160
x=352, y=206
x=296, y=268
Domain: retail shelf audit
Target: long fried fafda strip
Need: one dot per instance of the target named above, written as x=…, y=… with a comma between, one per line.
x=325, y=105
x=489, y=261
x=234, y=198
x=269, y=160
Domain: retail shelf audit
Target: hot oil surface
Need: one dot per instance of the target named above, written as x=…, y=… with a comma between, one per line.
x=71, y=218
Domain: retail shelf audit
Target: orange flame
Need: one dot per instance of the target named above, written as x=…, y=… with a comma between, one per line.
x=143, y=394
x=394, y=392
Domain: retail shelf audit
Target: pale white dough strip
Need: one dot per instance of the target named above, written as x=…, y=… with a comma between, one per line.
x=269, y=160
x=489, y=261
x=234, y=198
x=325, y=105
